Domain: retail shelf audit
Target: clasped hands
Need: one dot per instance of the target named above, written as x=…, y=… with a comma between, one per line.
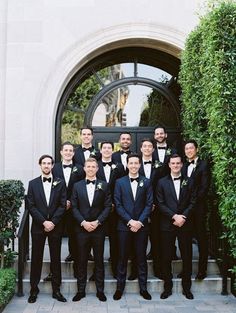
x=134, y=225
x=48, y=226
x=179, y=220
x=90, y=226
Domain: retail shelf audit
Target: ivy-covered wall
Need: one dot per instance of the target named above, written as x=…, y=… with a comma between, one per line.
x=208, y=81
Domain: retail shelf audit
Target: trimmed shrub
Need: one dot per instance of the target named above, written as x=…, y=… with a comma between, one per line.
x=7, y=285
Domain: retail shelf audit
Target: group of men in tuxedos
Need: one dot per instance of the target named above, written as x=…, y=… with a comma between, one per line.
x=128, y=197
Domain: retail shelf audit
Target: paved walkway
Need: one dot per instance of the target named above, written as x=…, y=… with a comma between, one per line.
x=130, y=303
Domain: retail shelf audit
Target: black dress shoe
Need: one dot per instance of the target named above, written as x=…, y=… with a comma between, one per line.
x=188, y=294
x=117, y=295
x=201, y=276
x=58, y=296
x=79, y=296
x=180, y=275
x=48, y=278
x=158, y=275
x=175, y=257
x=149, y=256
x=92, y=277
x=132, y=276
x=165, y=294
x=101, y=296
x=90, y=258
x=146, y=295
x=69, y=258
x=32, y=298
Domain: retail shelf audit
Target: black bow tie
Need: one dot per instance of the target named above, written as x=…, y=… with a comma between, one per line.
x=90, y=181
x=47, y=179
x=177, y=178
x=133, y=179
x=106, y=163
x=126, y=152
x=147, y=162
x=192, y=162
x=65, y=166
x=87, y=149
x=161, y=148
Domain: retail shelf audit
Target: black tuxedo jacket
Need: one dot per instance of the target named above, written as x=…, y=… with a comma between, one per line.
x=38, y=207
x=117, y=171
x=129, y=208
x=154, y=174
x=77, y=173
x=169, y=205
x=162, y=168
x=100, y=208
x=116, y=158
x=201, y=178
x=79, y=155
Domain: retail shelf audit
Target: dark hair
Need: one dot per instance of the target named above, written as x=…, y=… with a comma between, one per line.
x=159, y=126
x=86, y=127
x=107, y=142
x=126, y=133
x=67, y=143
x=44, y=156
x=133, y=155
x=191, y=141
x=146, y=139
x=175, y=155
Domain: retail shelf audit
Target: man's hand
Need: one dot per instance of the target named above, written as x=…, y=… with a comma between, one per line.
x=68, y=204
x=134, y=225
x=90, y=226
x=48, y=226
x=179, y=220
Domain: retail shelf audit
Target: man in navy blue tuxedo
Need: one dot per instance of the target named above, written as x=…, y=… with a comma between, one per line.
x=47, y=201
x=133, y=199
x=91, y=205
x=120, y=156
x=86, y=149
x=110, y=172
x=176, y=199
x=198, y=170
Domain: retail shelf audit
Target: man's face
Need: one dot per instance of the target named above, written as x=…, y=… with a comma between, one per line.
x=106, y=150
x=147, y=149
x=133, y=165
x=190, y=151
x=67, y=153
x=90, y=169
x=160, y=135
x=175, y=165
x=86, y=136
x=125, y=141
x=46, y=166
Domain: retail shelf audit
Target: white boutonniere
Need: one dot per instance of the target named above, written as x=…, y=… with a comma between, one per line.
x=74, y=169
x=141, y=183
x=99, y=186
x=113, y=166
x=157, y=164
x=55, y=183
x=184, y=183
x=93, y=153
x=168, y=151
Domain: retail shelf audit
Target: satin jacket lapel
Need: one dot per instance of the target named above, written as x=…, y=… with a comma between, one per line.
x=172, y=188
x=41, y=190
x=82, y=155
x=128, y=184
x=84, y=190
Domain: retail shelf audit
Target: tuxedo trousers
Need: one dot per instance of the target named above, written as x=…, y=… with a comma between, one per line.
x=139, y=241
x=85, y=241
x=38, y=243
x=168, y=239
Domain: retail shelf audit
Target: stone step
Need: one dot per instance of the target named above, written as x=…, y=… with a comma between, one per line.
x=67, y=268
x=210, y=285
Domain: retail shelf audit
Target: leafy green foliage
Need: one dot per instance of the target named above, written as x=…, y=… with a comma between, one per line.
x=7, y=285
x=208, y=81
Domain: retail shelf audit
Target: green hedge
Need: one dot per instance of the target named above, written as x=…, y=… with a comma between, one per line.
x=208, y=81
x=7, y=285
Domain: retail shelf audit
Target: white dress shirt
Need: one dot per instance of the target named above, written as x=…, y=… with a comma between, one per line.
x=124, y=159
x=90, y=191
x=107, y=172
x=161, y=153
x=134, y=186
x=177, y=186
x=47, y=189
x=66, y=173
x=191, y=167
x=147, y=169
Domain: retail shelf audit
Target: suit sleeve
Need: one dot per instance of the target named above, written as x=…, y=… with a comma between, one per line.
x=160, y=199
x=107, y=206
x=192, y=200
x=60, y=210
x=149, y=202
x=75, y=206
x=34, y=211
x=119, y=205
x=204, y=182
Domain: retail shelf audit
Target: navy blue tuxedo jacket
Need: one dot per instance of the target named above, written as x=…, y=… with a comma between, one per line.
x=77, y=173
x=79, y=155
x=38, y=207
x=169, y=205
x=117, y=171
x=201, y=178
x=129, y=208
x=100, y=208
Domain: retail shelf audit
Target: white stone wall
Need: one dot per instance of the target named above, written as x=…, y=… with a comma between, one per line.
x=44, y=42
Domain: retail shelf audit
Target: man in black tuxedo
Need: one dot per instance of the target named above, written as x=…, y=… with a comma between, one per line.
x=176, y=198
x=133, y=199
x=91, y=205
x=47, y=201
x=86, y=149
x=120, y=156
x=198, y=170
x=110, y=172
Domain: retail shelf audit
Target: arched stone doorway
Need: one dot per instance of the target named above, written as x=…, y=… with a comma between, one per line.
x=94, y=92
